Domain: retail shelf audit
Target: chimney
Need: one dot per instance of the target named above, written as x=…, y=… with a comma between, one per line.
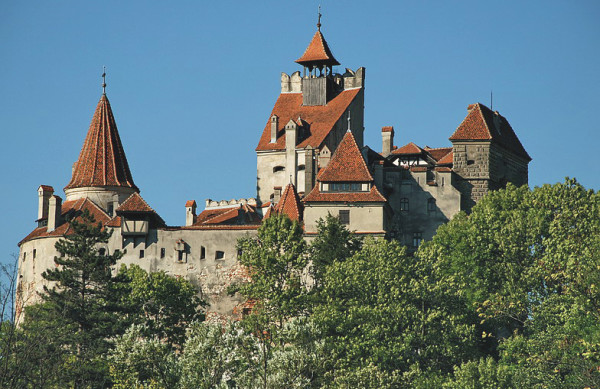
x=44, y=194
x=387, y=136
x=291, y=131
x=54, y=212
x=274, y=127
x=190, y=212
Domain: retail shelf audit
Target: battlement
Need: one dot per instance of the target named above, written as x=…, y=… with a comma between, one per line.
x=213, y=204
x=349, y=80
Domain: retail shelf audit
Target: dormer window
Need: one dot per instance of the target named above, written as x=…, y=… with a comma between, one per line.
x=345, y=187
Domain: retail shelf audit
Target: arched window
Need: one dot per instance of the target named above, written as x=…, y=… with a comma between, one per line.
x=404, y=204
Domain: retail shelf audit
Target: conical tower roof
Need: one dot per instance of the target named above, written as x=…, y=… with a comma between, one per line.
x=318, y=52
x=102, y=160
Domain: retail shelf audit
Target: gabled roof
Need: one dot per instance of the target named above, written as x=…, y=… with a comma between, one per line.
x=438, y=153
x=319, y=119
x=317, y=52
x=102, y=160
x=408, y=149
x=243, y=213
x=290, y=204
x=447, y=159
x=346, y=164
x=373, y=196
x=70, y=210
x=483, y=124
x=136, y=204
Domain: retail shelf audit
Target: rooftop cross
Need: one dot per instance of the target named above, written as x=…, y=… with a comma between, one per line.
x=104, y=80
x=319, y=19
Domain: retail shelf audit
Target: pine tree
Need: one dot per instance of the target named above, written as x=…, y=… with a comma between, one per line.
x=83, y=301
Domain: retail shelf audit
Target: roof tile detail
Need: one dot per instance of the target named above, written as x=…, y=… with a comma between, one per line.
x=409, y=148
x=318, y=52
x=448, y=159
x=483, y=124
x=135, y=203
x=346, y=164
x=351, y=197
x=319, y=119
x=438, y=153
x=102, y=160
x=290, y=204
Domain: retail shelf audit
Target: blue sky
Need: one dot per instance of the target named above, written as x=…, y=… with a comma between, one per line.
x=192, y=85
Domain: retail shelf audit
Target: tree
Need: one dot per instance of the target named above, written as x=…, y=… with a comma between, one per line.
x=83, y=301
x=527, y=262
x=276, y=260
x=381, y=308
x=164, y=305
x=333, y=243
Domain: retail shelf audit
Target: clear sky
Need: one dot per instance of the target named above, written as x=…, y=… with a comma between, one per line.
x=192, y=84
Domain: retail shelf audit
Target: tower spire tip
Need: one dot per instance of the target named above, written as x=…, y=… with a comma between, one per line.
x=104, y=80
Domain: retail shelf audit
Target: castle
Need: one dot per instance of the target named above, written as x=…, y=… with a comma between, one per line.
x=311, y=162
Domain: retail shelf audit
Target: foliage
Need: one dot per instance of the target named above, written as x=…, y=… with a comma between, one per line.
x=383, y=309
x=164, y=305
x=142, y=363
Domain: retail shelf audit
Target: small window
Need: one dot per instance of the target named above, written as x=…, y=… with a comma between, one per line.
x=417, y=239
x=180, y=255
x=110, y=209
x=431, y=205
x=117, y=252
x=219, y=255
x=202, y=252
x=34, y=253
x=162, y=252
x=102, y=251
x=404, y=204
x=301, y=167
x=24, y=256
x=344, y=216
x=278, y=169
x=470, y=162
x=141, y=253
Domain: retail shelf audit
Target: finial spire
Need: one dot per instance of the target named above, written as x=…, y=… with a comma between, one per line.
x=104, y=80
x=349, y=122
x=319, y=19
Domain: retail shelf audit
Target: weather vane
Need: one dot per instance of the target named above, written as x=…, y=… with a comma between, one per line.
x=319, y=19
x=104, y=80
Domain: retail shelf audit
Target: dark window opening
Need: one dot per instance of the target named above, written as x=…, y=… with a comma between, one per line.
x=431, y=205
x=219, y=255
x=24, y=256
x=180, y=255
x=344, y=216
x=278, y=169
x=404, y=204
x=34, y=253
x=202, y=252
x=345, y=187
x=102, y=251
x=301, y=167
x=162, y=252
x=117, y=251
x=417, y=239
x=470, y=162
x=141, y=253
x=110, y=209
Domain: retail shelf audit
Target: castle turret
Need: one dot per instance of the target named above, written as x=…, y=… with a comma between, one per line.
x=101, y=172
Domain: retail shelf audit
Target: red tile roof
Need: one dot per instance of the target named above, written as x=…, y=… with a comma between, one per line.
x=443, y=169
x=72, y=209
x=483, y=124
x=387, y=129
x=418, y=168
x=350, y=197
x=245, y=214
x=47, y=188
x=346, y=164
x=320, y=119
x=318, y=52
x=410, y=148
x=447, y=159
x=290, y=204
x=102, y=161
x=136, y=204
x=438, y=153
x=190, y=203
